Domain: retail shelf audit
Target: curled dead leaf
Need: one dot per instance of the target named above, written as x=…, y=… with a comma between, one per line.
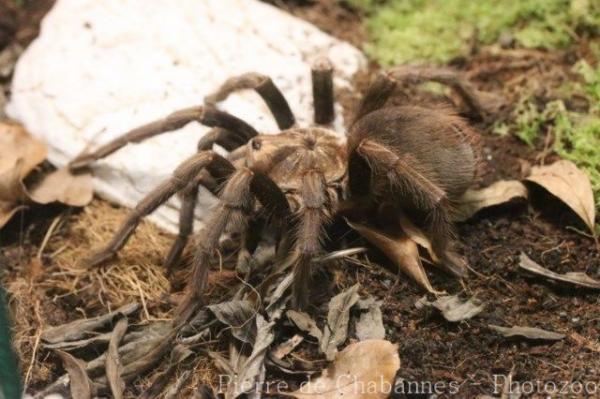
x=401, y=250
x=239, y=316
x=81, y=385
x=370, y=323
x=64, y=187
x=12, y=193
x=287, y=347
x=453, y=308
x=250, y=371
x=527, y=332
x=363, y=370
x=82, y=328
x=305, y=323
x=113, y=364
x=577, y=278
x=582, y=341
x=570, y=185
x=453, y=263
x=498, y=193
x=19, y=156
x=338, y=317
x=15, y=144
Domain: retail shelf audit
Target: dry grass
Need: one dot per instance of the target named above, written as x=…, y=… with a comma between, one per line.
x=48, y=282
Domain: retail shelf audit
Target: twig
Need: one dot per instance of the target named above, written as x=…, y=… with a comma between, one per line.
x=33, y=354
x=55, y=223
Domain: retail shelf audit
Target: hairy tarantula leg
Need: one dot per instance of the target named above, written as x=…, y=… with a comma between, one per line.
x=312, y=218
x=322, y=87
x=376, y=96
x=264, y=86
x=403, y=174
x=208, y=115
x=180, y=178
x=235, y=204
x=189, y=194
x=469, y=94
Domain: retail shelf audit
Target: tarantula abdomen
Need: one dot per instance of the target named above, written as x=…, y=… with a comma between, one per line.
x=417, y=160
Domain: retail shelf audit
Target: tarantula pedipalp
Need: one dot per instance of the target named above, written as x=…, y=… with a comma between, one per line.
x=406, y=159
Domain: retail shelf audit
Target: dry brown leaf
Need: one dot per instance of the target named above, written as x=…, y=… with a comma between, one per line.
x=363, y=370
x=287, y=347
x=19, y=155
x=498, y=193
x=81, y=385
x=239, y=316
x=15, y=144
x=370, y=323
x=250, y=370
x=577, y=278
x=527, y=332
x=453, y=308
x=178, y=355
x=12, y=193
x=569, y=184
x=64, y=187
x=82, y=328
x=455, y=264
x=401, y=250
x=335, y=331
x=113, y=362
x=305, y=323
x=585, y=342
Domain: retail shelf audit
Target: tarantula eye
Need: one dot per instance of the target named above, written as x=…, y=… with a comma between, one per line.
x=256, y=144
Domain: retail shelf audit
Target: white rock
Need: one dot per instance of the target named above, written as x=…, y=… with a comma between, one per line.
x=100, y=68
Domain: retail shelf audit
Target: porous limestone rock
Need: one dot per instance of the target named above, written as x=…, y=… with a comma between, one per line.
x=100, y=68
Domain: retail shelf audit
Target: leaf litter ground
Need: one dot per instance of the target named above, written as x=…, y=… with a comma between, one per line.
x=48, y=286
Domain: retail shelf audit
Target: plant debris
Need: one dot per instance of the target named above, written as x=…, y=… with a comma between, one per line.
x=239, y=315
x=81, y=386
x=569, y=184
x=178, y=355
x=584, y=342
x=64, y=187
x=20, y=155
x=401, y=250
x=113, y=364
x=81, y=328
x=453, y=308
x=370, y=322
x=336, y=330
x=369, y=367
x=576, y=278
x=287, y=347
x=305, y=323
x=457, y=264
x=498, y=193
x=250, y=371
x=527, y=332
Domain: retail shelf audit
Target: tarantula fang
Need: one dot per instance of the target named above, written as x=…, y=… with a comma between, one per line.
x=410, y=159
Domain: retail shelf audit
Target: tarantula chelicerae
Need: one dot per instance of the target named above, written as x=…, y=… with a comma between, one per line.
x=404, y=158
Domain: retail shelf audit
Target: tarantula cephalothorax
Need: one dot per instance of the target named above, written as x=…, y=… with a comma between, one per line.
x=406, y=158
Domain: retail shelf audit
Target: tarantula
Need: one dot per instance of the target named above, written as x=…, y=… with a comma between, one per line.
x=403, y=158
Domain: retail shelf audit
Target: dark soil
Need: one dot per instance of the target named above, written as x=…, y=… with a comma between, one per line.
x=467, y=354
x=434, y=350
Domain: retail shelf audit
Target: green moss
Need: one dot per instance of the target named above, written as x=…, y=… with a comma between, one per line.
x=529, y=120
x=576, y=135
x=438, y=30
